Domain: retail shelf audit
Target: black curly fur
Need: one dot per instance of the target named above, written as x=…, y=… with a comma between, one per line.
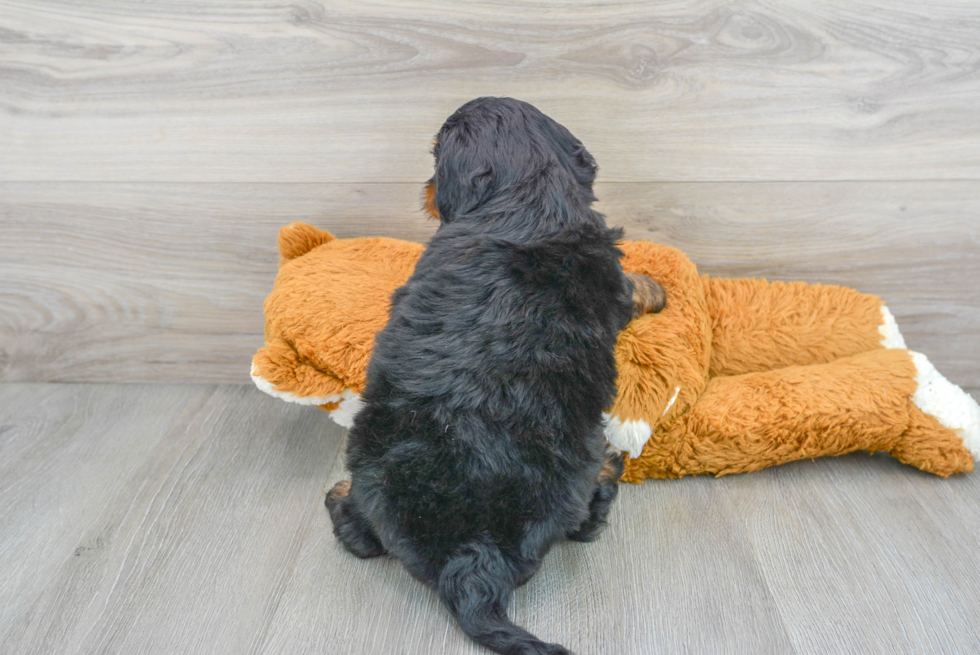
x=480, y=442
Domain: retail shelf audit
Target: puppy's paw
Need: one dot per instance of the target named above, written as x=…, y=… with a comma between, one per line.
x=612, y=468
x=338, y=493
x=349, y=527
x=606, y=489
x=648, y=294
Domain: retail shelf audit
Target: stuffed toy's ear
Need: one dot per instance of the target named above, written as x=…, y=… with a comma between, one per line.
x=330, y=298
x=299, y=238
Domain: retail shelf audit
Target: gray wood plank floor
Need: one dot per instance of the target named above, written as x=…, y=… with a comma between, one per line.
x=189, y=519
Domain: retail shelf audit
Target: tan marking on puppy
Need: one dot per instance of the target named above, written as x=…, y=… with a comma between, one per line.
x=612, y=467
x=340, y=490
x=430, y=200
x=608, y=470
x=648, y=294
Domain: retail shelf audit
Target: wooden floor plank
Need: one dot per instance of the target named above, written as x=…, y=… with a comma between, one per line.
x=13, y=398
x=190, y=519
x=664, y=574
x=66, y=452
x=188, y=555
x=165, y=283
x=962, y=498
x=352, y=92
x=862, y=556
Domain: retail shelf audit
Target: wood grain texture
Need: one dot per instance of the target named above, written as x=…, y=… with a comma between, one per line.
x=155, y=518
x=165, y=282
x=199, y=532
x=849, y=564
x=352, y=91
x=66, y=452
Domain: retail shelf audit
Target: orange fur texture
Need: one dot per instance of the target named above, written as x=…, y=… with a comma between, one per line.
x=733, y=375
x=430, y=201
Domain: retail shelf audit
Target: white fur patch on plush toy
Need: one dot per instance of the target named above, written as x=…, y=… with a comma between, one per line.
x=629, y=436
x=891, y=337
x=948, y=403
x=289, y=397
x=350, y=405
x=349, y=402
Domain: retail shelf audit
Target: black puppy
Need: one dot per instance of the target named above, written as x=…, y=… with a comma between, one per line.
x=480, y=441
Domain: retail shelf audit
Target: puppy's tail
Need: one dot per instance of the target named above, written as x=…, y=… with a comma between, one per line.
x=476, y=585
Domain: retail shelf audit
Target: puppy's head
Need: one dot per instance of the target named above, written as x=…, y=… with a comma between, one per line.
x=495, y=149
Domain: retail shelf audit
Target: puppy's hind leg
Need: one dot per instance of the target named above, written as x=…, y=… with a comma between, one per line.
x=349, y=526
x=607, y=487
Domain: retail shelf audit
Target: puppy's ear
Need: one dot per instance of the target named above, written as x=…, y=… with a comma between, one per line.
x=571, y=152
x=464, y=180
x=583, y=164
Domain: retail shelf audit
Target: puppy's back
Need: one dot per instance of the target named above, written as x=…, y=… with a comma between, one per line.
x=489, y=380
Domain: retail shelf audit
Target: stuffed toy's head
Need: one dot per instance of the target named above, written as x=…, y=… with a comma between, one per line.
x=331, y=297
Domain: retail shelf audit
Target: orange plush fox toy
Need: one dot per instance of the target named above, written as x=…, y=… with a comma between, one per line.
x=732, y=376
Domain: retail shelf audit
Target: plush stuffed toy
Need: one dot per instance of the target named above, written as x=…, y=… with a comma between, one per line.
x=733, y=375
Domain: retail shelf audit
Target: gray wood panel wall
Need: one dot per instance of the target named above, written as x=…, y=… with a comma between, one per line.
x=150, y=151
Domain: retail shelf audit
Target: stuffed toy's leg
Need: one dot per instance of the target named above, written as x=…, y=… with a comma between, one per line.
x=882, y=400
x=761, y=326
